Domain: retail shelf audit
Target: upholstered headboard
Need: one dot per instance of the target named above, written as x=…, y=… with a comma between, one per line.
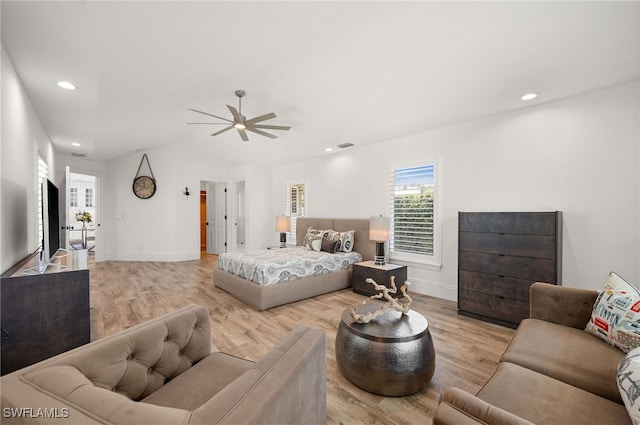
x=361, y=242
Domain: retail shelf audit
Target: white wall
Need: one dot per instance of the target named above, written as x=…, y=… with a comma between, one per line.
x=579, y=155
x=23, y=136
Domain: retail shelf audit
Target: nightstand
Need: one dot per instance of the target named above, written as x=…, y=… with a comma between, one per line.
x=381, y=274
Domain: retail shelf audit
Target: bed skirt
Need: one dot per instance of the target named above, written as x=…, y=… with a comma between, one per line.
x=265, y=297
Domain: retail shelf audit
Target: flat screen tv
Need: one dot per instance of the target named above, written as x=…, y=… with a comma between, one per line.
x=51, y=221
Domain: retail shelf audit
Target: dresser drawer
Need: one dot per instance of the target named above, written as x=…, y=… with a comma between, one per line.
x=538, y=246
x=490, y=284
x=522, y=223
x=529, y=268
x=494, y=307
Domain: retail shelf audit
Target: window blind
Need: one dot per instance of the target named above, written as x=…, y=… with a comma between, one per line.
x=411, y=202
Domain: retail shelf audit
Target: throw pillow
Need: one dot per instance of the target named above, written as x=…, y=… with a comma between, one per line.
x=616, y=314
x=313, y=239
x=329, y=245
x=345, y=239
x=629, y=383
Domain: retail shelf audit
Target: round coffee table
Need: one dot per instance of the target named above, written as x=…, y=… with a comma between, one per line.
x=393, y=355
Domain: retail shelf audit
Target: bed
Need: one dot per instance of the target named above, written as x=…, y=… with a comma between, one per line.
x=290, y=288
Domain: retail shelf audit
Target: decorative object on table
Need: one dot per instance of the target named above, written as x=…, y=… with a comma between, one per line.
x=283, y=225
x=393, y=355
x=144, y=186
x=379, y=232
x=241, y=123
x=84, y=217
x=390, y=304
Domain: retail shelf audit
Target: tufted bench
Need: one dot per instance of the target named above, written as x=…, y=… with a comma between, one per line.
x=163, y=372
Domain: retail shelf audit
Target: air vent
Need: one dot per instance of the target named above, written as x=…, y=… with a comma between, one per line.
x=345, y=145
x=81, y=155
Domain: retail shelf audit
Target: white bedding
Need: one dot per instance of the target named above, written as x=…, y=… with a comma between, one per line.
x=267, y=267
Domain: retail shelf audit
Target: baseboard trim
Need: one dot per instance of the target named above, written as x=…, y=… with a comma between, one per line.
x=152, y=256
x=433, y=289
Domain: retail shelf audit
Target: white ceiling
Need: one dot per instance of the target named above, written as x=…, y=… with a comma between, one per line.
x=360, y=72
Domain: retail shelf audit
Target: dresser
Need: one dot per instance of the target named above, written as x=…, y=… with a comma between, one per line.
x=45, y=310
x=500, y=254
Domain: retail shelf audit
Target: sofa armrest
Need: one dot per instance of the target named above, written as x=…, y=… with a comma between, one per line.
x=562, y=305
x=461, y=408
x=288, y=385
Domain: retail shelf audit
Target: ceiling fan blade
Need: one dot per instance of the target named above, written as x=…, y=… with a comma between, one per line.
x=211, y=115
x=261, y=118
x=262, y=133
x=236, y=115
x=243, y=134
x=223, y=130
x=209, y=123
x=272, y=127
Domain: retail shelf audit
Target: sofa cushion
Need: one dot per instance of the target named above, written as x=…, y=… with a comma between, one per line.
x=616, y=314
x=629, y=383
x=567, y=354
x=547, y=401
x=202, y=381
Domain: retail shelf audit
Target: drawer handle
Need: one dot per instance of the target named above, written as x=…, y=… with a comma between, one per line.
x=5, y=334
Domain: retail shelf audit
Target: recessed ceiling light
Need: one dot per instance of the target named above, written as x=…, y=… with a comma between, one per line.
x=329, y=149
x=67, y=85
x=76, y=144
x=529, y=96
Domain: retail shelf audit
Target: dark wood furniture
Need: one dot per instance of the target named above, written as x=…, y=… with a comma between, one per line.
x=381, y=274
x=500, y=254
x=44, y=312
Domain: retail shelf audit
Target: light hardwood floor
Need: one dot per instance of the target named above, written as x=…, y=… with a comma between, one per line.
x=467, y=350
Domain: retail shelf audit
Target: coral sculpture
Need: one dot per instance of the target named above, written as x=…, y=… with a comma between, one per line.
x=383, y=293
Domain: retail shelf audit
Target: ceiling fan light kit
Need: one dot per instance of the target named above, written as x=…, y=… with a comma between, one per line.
x=242, y=124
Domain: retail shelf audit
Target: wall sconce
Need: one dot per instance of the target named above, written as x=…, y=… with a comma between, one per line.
x=379, y=231
x=283, y=225
x=186, y=193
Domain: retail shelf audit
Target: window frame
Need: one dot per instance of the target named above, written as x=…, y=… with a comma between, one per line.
x=301, y=205
x=432, y=262
x=73, y=197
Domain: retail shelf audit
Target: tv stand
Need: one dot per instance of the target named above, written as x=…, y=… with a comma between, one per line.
x=45, y=308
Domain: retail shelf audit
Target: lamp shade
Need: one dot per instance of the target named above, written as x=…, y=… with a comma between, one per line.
x=379, y=229
x=283, y=223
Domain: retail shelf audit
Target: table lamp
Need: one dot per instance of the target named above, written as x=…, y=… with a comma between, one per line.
x=283, y=225
x=379, y=231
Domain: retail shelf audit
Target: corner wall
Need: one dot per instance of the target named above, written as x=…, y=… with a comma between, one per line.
x=579, y=155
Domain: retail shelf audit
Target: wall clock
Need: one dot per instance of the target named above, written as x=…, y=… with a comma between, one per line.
x=144, y=187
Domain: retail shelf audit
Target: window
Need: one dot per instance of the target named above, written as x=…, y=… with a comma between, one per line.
x=43, y=172
x=88, y=197
x=412, y=200
x=294, y=205
x=73, y=197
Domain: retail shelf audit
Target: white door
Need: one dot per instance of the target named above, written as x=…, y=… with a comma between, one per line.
x=67, y=220
x=240, y=216
x=216, y=218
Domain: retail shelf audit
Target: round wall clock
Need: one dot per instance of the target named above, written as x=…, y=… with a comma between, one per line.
x=144, y=187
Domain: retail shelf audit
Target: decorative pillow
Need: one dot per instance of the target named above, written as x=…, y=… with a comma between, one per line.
x=329, y=245
x=616, y=314
x=313, y=239
x=345, y=239
x=629, y=383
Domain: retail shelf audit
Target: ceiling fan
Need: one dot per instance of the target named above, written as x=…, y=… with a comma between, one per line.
x=241, y=123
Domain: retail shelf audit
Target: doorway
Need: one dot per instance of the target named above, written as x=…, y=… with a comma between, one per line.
x=82, y=211
x=213, y=217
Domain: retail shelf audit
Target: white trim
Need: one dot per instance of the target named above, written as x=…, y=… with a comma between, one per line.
x=433, y=289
